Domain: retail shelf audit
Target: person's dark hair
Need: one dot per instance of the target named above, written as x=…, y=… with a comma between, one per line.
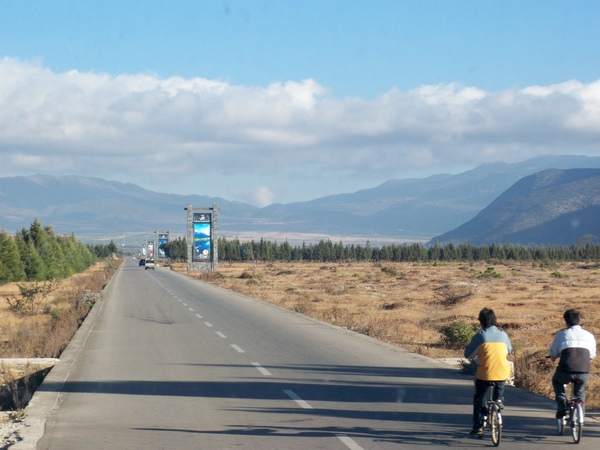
x=487, y=318
x=572, y=317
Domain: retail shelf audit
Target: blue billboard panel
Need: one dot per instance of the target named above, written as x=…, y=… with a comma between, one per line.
x=202, y=241
x=162, y=239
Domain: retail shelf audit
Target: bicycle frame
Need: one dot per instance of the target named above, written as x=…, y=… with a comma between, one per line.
x=492, y=421
x=575, y=415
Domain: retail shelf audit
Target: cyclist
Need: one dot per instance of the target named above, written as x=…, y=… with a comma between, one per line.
x=575, y=347
x=491, y=346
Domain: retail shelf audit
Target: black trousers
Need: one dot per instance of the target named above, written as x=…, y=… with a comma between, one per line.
x=561, y=378
x=480, y=398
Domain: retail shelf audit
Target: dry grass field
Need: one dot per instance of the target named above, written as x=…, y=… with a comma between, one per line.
x=408, y=304
x=46, y=334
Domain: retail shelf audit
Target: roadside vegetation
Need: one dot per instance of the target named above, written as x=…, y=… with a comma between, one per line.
x=48, y=284
x=233, y=250
x=431, y=307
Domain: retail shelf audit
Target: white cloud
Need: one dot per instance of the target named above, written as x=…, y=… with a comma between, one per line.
x=143, y=126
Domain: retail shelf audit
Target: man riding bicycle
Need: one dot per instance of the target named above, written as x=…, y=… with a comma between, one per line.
x=490, y=346
x=575, y=347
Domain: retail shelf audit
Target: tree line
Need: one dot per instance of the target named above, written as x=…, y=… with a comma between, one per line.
x=233, y=250
x=37, y=253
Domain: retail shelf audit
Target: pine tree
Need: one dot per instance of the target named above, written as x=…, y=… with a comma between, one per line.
x=11, y=267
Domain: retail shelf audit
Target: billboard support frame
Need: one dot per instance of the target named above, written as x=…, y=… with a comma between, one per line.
x=213, y=264
x=157, y=242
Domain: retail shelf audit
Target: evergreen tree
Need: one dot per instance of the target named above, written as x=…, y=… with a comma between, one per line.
x=54, y=260
x=32, y=262
x=11, y=267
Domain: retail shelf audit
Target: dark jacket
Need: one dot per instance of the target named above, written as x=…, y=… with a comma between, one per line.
x=575, y=347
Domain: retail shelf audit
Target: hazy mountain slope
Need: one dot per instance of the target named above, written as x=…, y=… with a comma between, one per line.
x=416, y=208
x=549, y=207
x=397, y=209
x=93, y=206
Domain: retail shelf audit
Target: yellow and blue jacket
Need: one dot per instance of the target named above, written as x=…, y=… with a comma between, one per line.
x=490, y=346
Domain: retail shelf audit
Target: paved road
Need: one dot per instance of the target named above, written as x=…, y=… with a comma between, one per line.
x=168, y=362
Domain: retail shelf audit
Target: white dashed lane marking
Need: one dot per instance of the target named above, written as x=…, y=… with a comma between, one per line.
x=297, y=399
x=261, y=369
x=349, y=442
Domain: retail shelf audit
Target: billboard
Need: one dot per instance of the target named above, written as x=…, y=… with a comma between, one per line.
x=202, y=249
x=163, y=238
x=150, y=250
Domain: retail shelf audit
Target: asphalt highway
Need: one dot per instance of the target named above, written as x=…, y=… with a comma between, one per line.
x=167, y=362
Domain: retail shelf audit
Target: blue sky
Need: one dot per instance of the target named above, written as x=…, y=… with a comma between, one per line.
x=282, y=101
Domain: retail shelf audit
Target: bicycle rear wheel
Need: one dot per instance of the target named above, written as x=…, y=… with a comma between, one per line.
x=496, y=426
x=577, y=423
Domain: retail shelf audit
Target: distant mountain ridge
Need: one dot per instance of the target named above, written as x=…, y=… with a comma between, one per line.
x=93, y=207
x=556, y=207
x=398, y=209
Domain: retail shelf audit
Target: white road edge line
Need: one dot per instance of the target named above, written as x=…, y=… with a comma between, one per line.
x=348, y=442
x=297, y=399
x=239, y=350
x=261, y=369
x=221, y=335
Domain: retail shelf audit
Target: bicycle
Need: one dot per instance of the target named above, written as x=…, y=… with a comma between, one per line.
x=492, y=421
x=575, y=415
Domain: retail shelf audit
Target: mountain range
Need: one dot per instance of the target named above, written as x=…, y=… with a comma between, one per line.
x=558, y=207
x=398, y=210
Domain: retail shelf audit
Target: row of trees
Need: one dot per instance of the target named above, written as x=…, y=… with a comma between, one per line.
x=37, y=253
x=235, y=251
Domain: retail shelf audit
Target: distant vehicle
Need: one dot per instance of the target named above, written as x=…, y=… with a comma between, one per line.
x=149, y=264
x=142, y=262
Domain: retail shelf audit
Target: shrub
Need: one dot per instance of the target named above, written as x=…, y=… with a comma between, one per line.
x=452, y=295
x=490, y=272
x=32, y=296
x=468, y=366
x=458, y=333
x=390, y=271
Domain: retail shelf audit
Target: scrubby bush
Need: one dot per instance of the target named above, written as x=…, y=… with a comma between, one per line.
x=458, y=333
x=490, y=272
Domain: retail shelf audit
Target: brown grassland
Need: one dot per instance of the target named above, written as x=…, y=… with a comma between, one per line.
x=408, y=304
x=47, y=333
x=405, y=304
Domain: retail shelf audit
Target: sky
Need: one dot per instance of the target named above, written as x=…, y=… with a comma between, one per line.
x=283, y=101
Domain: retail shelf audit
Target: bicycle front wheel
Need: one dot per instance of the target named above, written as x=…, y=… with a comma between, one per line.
x=577, y=423
x=496, y=426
